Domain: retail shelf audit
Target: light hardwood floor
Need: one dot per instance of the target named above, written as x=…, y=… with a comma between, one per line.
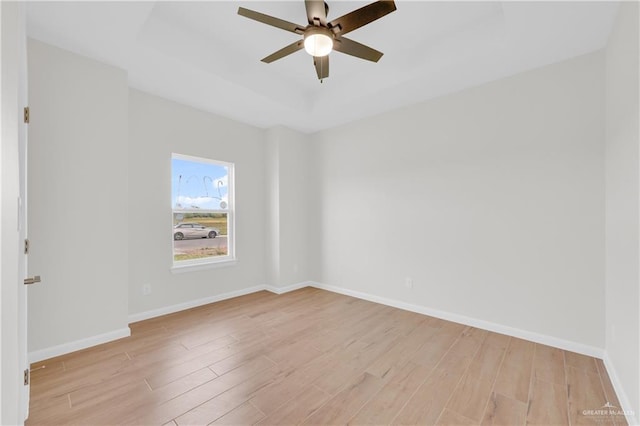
x=315, y=357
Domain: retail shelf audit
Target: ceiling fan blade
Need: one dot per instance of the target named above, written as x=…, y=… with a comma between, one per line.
x=353, y=48
x=288, y=50
x=316, y=9
x=322, y=66
x=363, y=16
x=270, y=20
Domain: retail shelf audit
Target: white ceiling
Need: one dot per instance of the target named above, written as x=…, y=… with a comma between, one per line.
x=205, y=55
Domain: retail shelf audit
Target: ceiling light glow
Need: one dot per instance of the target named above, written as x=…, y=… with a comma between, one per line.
x=318, y=44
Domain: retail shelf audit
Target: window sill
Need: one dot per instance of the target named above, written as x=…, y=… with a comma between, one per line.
x=180, y=269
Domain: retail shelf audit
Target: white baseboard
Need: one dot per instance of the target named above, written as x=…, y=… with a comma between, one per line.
x=212, y=299
x=193, y=303
x=77, y=345
x=632, y=417
x=287, y=289
x=474, y=322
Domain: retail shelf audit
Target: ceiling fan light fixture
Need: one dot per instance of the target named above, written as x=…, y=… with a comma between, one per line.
x=321, y=36
x=318, y=42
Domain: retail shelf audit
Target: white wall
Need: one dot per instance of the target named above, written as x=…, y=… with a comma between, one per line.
x=272, y=219
x=295, y=235
x=491, y=200
x=622, y=209
x=11, y=31
x=78, y=174
x=288, y=198
x=157, y=128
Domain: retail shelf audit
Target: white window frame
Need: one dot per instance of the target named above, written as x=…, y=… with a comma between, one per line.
x=212, y=261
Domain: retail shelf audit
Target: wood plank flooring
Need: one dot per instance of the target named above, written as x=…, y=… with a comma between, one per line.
x=315, y=357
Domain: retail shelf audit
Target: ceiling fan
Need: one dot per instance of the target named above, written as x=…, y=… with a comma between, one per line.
x=321, y=36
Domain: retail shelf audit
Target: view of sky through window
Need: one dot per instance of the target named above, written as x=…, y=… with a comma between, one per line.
x=199, y=185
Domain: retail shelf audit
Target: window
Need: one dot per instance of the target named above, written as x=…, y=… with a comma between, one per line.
x=203, y=211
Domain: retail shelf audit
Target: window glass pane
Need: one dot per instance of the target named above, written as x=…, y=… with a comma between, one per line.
x=204, y=237
x=199, y=185
x=202, y=205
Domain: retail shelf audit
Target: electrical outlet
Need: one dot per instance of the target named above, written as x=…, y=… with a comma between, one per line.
x=146, y=289
x=408, y=282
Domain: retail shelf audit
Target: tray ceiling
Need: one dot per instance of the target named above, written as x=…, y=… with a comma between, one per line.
x=204, y=55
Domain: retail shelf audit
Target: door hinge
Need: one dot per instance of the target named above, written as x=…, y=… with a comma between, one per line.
x=26, y=115
x=26, y=377
x=26, y=246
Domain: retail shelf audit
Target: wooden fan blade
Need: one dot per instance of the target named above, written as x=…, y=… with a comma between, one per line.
x=363, y=16
x=288, y=50
x=270, y=20
x=322, y=66
x=316, y=9
x=353, y=48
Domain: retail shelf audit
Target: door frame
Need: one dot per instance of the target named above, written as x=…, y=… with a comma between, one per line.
x=23, y=267
x=13, y=48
